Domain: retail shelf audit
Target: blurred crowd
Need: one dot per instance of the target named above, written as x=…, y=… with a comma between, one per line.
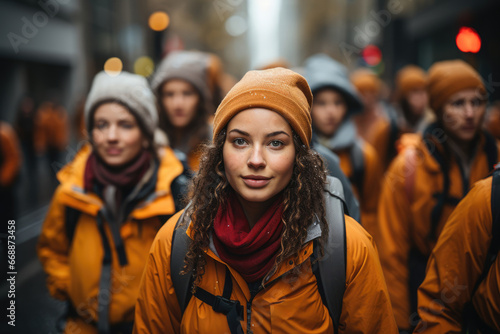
x=407, y=152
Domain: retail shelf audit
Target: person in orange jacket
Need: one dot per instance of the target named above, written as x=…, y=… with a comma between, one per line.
x=375, y=112
x=181, y=85
x=426, y=181
x=256, y=208
x=412, y=114
x=461, y=287
x=113, y=198
x=335, y=101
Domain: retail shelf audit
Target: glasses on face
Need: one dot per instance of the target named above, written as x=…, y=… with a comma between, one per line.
x=460, y=104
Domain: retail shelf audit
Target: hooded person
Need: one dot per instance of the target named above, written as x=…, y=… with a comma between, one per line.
x=185, y=102
x=427, y=179
x=335, y=101
x=411, y=113
x=254, y=205
x=112, y=199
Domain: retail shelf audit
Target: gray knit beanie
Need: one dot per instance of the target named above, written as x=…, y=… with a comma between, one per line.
x=191, y=66
x=129, y=89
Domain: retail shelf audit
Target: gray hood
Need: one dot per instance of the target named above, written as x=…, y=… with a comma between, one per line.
x=321, y=71
x=344, y=137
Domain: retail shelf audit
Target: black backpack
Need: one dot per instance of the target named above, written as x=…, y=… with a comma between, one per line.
x=332, y=267
x=472, y=322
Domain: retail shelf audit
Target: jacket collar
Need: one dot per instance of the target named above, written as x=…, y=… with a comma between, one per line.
x=157, y=203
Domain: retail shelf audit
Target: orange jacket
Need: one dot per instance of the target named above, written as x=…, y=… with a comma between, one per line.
x=455, y=265
x=283, y=307
x=74, y=270
x=369, y=196
x=52, y=128
x=404, y=214
x=11, y=155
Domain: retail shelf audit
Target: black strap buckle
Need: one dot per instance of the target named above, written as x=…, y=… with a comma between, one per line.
x=224, y=306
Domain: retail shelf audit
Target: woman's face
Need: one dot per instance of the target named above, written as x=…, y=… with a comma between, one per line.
x=463, y=114
x=258, y=154
x=180, y=101
x=116, y=136
x=328, y=111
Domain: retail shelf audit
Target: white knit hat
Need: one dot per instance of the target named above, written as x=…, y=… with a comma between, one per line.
x=129, y=89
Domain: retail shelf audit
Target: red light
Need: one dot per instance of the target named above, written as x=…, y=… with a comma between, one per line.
x=468, y=40
x=372, y=55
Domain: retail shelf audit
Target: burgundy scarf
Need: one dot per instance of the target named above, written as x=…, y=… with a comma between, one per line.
x=250, y=251
x=123, y=178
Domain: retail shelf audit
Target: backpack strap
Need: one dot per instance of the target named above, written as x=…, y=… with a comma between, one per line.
x=358, y=167
x=180, y=244
x=330, y=270
x=491, y=149
x=71, y=219
x=232, y=309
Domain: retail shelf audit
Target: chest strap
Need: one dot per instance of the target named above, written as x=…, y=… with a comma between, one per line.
x=223, y=304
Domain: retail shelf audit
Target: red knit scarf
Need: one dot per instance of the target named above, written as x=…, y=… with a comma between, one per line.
x=123, y=178
x=251, y=252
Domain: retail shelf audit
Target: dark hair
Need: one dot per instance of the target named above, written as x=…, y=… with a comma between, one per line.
x=302, y=199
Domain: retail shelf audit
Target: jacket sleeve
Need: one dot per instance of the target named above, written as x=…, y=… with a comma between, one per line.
x=393, y=239
x=53, y=249
x=11, y=155
x=366, y=305
x=157, y=309
x=456, y=263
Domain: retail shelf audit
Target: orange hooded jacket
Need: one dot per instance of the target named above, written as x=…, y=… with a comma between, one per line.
x=455, y=265
x=404, y=216
x=282, y=307
x=74, y=270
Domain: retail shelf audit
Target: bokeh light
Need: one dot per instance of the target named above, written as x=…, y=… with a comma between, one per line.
x=159, y=21
x=144, y=66
x=236, y=25
x=468, y=40
x=113, y=66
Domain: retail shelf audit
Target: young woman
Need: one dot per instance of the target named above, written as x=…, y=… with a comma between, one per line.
x=335, y=101
x=426, y=181
x=254, y=204
x=181, y=85
x=113, y=198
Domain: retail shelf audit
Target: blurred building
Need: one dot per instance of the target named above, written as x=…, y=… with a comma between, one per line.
x=424, y=31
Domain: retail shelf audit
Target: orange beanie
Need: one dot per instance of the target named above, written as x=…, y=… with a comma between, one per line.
x=277, y=89
x=408, y=78
x=449, y=77
x=365, y=80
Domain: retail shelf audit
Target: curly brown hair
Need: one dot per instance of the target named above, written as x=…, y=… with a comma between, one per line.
x=302, y=199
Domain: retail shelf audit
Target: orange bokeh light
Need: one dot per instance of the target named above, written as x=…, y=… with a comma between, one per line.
x=468, y=40
x=159, y=21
